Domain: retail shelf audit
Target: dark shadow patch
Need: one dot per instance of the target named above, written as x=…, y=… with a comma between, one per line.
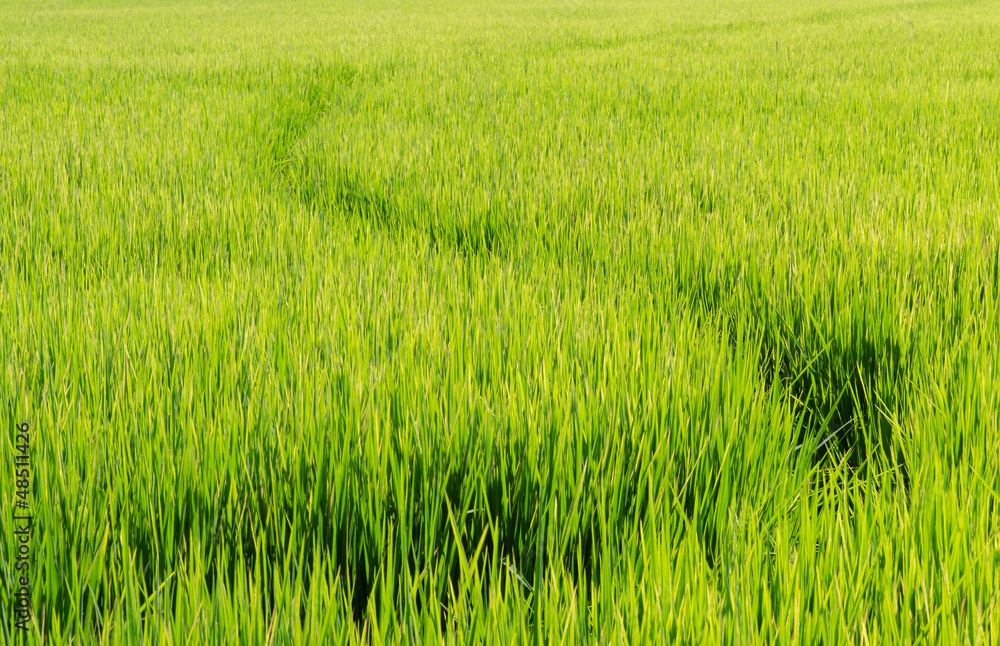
x=845, y=386
x=481, y=238
x=844, y=389
x=703, y=196
x=303, y=96
x=348, y=195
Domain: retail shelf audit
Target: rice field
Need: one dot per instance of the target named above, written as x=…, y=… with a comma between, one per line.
x=480, y=322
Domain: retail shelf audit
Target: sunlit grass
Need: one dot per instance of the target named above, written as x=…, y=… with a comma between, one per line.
x=562, y=323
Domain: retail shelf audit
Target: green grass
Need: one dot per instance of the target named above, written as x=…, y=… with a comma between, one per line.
x=503, y=322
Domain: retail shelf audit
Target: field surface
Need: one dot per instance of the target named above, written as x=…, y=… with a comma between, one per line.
x=505, y=322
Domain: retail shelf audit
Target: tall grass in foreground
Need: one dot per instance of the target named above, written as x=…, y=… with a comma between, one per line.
x=522, y=323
